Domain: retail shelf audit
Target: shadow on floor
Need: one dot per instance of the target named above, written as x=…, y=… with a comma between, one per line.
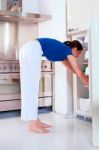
x=17, y=113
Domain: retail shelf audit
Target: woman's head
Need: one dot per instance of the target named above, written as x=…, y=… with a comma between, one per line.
x=76, y=47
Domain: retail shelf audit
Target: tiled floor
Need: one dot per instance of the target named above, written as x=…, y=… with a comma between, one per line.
x=66, y=134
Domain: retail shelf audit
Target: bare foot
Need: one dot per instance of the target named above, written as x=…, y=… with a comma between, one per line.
x=43, y=124
x=35, y=127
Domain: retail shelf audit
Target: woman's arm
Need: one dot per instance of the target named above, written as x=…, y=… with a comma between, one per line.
x=77, y=69
x=68, y=65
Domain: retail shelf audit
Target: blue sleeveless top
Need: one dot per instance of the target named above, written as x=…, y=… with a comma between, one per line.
x=54, y=50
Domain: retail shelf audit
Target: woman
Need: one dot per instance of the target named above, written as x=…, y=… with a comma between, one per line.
x=30, y=68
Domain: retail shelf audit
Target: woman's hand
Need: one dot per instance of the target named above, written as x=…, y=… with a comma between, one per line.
x=77, y=70
x=86, y=81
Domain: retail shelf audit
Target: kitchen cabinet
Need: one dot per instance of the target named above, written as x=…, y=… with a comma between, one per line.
x=79, y=14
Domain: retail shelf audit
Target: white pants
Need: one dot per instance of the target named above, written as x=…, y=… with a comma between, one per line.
x=30, y=68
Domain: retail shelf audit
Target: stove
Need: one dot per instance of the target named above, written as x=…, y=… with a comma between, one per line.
x=10, y=98
x=9, y=66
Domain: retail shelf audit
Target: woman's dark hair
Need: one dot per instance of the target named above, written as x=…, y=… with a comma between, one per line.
x=73, y=44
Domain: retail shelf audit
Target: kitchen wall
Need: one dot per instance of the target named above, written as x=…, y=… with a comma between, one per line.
x=3, y=4
x=30, y=6
x=45, y=6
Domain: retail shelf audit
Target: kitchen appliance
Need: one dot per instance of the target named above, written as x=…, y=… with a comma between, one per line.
x=46, y=84
x=11, y=10
x=9, y=40
x=14, y=5
x=11, y=5
x=10, y=85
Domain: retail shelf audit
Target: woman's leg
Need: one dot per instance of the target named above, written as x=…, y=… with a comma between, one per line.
x=30, y=68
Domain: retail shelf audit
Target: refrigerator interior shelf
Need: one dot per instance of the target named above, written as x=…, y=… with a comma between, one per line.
x=84, y=114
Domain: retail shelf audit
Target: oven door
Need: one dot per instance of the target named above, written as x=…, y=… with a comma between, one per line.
x=9, y=91
x=46, y=89
x=46, y=83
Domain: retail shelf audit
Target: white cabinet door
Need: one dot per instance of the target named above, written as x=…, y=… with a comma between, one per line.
x=79, y=13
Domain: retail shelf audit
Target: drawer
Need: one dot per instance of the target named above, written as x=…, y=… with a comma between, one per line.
x=10, y=105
